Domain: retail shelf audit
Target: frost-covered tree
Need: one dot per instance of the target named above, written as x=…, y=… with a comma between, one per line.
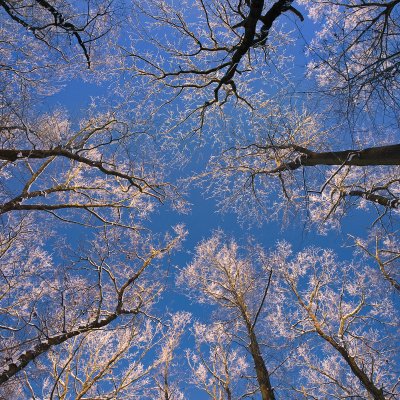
x=100, y=170
x=219, y=276
x=329, y=326
x=117, y=363
x=54, y=161
x=76, y=306
x=71, y=30
x=50, y=167
x=216, y=65
x=230, y=64
x=290, y=162
x=357, y=51
x=46, y=302
x=168, y=374
x=217, y=48
x=345, y=322
x=383, y=249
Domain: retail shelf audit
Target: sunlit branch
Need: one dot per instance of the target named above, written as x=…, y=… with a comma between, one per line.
x=21, y=361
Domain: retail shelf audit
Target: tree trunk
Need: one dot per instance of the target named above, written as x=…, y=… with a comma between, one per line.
x=267, y=392
x=384, y=155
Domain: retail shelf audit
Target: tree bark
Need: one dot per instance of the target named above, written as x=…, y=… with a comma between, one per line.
x=16, y=154
x=264, y=382
x=384, y=155
x=351, y=362
x=27, y=356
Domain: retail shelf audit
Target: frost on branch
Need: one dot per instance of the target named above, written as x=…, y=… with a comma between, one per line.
x=289, y=166
x=348, y=318
x=382, y=249
x=333, y=322
x=223, y=275
x=93, y=170
x=218, y=367
x=50, y=305
x=357, y=50
x=209, y=51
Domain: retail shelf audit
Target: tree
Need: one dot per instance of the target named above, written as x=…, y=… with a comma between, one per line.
x=332, y=322
x=111, y=281
x=345, y=306
x=167, y=376
x=88, y=169
x=211, y=51
x=385, y=253
x=57, y=302
x=80, y=256
x=219, y=276
x=57, y=24
x=357, y=51
x=115, y=363
x=234, y=51
x=221, y=45
x=63, y=163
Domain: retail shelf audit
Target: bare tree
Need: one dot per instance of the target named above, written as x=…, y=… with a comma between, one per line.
x=114, y=363
x=89, y=170
x=51, y=161
x=334, y=322
x=231, y=50
x=212, y=51
x=383, y=249
x=99, y=171
x=167, y=377
x=344, y=305
x=112, y=281
x=81, y=312
x=218, y=275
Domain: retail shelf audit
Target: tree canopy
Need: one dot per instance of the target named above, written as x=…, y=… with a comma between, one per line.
x=122, y=121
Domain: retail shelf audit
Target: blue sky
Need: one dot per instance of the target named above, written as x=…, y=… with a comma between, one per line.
x=203, y=217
